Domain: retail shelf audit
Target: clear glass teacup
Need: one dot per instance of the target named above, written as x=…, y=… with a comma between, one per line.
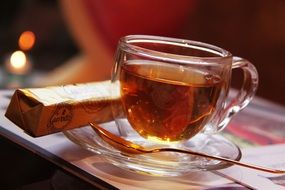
x=171, y=89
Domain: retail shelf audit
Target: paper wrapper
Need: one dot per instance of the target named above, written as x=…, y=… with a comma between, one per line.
x=42, y=111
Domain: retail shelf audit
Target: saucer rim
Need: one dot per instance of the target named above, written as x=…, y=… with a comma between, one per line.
x=116, y=157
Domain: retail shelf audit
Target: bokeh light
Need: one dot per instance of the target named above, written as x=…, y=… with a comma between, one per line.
x=18, y=59
x=18, y=63
x=27, y=40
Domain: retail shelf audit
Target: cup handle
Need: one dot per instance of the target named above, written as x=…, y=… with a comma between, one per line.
x=245, y=94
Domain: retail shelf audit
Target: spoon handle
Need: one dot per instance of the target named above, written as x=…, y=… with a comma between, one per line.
x=260, y=168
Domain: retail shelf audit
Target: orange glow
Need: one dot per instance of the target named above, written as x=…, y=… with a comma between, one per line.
x=27, y=40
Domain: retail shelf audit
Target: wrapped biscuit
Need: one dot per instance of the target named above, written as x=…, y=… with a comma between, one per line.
x=42, y=111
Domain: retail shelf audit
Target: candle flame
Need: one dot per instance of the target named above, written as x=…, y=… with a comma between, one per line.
x=27, y=40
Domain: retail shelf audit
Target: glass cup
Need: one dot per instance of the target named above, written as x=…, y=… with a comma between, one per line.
x=171, y=89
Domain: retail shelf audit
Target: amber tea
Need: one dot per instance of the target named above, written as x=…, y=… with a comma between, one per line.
x=167, y=102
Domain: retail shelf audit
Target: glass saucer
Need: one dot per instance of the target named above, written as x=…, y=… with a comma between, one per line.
x=158, y=164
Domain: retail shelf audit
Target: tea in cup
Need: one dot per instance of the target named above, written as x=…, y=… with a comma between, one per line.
x=172, y=89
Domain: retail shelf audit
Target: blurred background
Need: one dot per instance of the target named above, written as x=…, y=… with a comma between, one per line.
x=252, y=29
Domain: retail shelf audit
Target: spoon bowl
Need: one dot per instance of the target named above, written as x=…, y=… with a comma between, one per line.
x=128, y=147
